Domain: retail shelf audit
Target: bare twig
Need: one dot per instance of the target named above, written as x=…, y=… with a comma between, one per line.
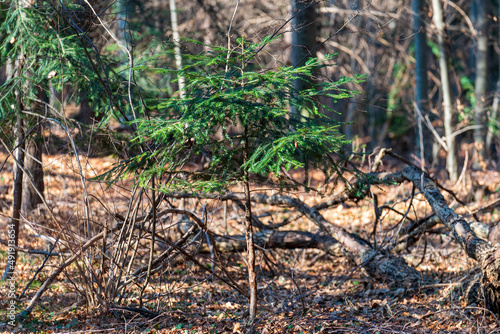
x=34, y=251
x=24, y=313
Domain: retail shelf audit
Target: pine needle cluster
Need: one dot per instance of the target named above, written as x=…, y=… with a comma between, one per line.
x=225, y=89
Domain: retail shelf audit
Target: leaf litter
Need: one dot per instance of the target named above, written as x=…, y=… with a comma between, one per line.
x=303, y=290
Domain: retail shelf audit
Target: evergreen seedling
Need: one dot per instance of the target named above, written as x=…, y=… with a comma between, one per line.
x=225, y=88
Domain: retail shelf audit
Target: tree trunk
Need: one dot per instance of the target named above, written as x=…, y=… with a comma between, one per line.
x=33, y=183
x=494, y=116
x=419, y=29
x=13, y=227
x=496, y=105
x=177, y=47
x=252, y=278
x=34, y=170
x=157, y=17
x=304, y=31
x=125, y=11
x=451, y=159
x=3, y=74
x=481, y=77
x=84, y=115
x=351, y=110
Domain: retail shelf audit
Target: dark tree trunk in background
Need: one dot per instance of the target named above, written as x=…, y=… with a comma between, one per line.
x=34, y=170
x=84, y=115
x=33, y=183
x=3, y=75
x=84, y=21
x=126, y=10
x=481, y=77
x=420, y=11
x=304, y=31
x=32, y=190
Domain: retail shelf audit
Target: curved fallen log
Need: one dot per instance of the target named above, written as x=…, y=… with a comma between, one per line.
x=270, y=239
x=476, y=248
x=377, y=263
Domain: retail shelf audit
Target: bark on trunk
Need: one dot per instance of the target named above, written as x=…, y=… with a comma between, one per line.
x=419, y=29
x=84, y=115
x=252, y=277
x=496, y=103
x=33, y=183
x=13, y=227
x=277, y=240
x=351, y=110
x=451, y=158
x=304, y=33
x=481, y=56
x=488, y=256
x=32, y=165
x=177, y=47
x=494, y=115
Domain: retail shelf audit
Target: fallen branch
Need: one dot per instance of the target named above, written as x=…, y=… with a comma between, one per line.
x=277, y=239
x=480, y=250
x=377, y=263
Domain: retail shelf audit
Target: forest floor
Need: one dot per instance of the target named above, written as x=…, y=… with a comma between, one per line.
x=303, y=290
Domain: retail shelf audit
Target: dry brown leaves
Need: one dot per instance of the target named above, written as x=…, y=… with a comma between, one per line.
x=309, y=292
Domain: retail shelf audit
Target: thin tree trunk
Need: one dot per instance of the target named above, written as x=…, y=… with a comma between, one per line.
x=177, y=47
x=351, y=110
x=377, y=116
x=3, y=74
x=13, y=227
x=252, y=279
x=494, y=116
x=496, y=105
x=451, y=159
x=33, y=156
x=419, y=29
x=481, y=57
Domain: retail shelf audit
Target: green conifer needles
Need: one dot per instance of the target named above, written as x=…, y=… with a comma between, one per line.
x=228, y=101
